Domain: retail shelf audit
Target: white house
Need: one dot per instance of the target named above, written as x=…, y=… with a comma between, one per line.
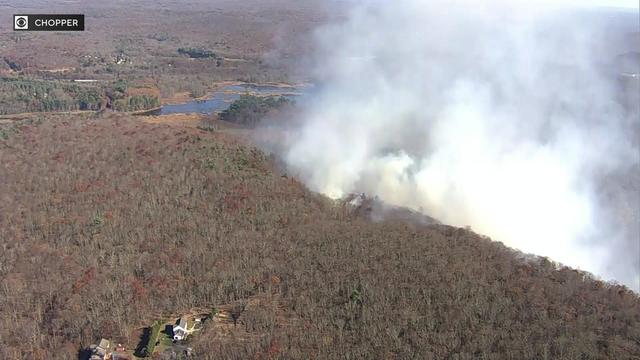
x=180, y=329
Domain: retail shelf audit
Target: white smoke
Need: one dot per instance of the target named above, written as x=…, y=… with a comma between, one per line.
x=493, y=115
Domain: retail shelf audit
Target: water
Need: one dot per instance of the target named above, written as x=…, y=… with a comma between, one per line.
x=222, y=98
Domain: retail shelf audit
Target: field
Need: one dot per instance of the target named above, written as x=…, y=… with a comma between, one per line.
x=111, y=222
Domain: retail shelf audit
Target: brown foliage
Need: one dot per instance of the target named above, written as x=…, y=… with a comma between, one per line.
x=109, y=223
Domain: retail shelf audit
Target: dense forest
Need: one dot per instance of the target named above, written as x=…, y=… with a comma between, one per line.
x=107, y=223
x=197, y=53
x=249, y=109
x=18, y=95
x=21, y=95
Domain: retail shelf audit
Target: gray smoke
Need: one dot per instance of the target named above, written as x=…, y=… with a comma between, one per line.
x=495, y=115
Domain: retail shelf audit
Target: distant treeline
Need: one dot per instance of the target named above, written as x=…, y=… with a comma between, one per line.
x=121, y=101
x=19, y=95
x=135, y=103
x=197, y=53
x=249, y=109
x=24, y=95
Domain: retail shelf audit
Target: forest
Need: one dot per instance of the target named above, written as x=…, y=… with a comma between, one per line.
x=23, y=95
x=197, y=53
x=108, y=222
x=249, y=109
x=18, y=95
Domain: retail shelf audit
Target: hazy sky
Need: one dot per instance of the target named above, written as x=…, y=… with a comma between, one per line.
x=631, y=4
x=628, y=4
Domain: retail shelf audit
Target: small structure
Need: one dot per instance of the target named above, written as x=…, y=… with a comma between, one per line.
x=102, y=351
x=180, y=331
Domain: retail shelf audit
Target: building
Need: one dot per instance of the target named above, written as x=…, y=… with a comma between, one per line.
x=180, y=329
x=102, y=351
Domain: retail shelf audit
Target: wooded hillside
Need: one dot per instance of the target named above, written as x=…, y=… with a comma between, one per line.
x=107, y=223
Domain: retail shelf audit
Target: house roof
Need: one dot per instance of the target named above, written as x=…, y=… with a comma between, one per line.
x=182, y=322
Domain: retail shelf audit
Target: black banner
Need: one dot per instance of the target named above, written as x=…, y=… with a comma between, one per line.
x=48, y=22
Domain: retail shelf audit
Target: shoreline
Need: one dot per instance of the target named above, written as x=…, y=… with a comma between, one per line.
x=176, y=99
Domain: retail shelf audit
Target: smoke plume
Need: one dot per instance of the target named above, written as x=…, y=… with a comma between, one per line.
x=495, y=115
